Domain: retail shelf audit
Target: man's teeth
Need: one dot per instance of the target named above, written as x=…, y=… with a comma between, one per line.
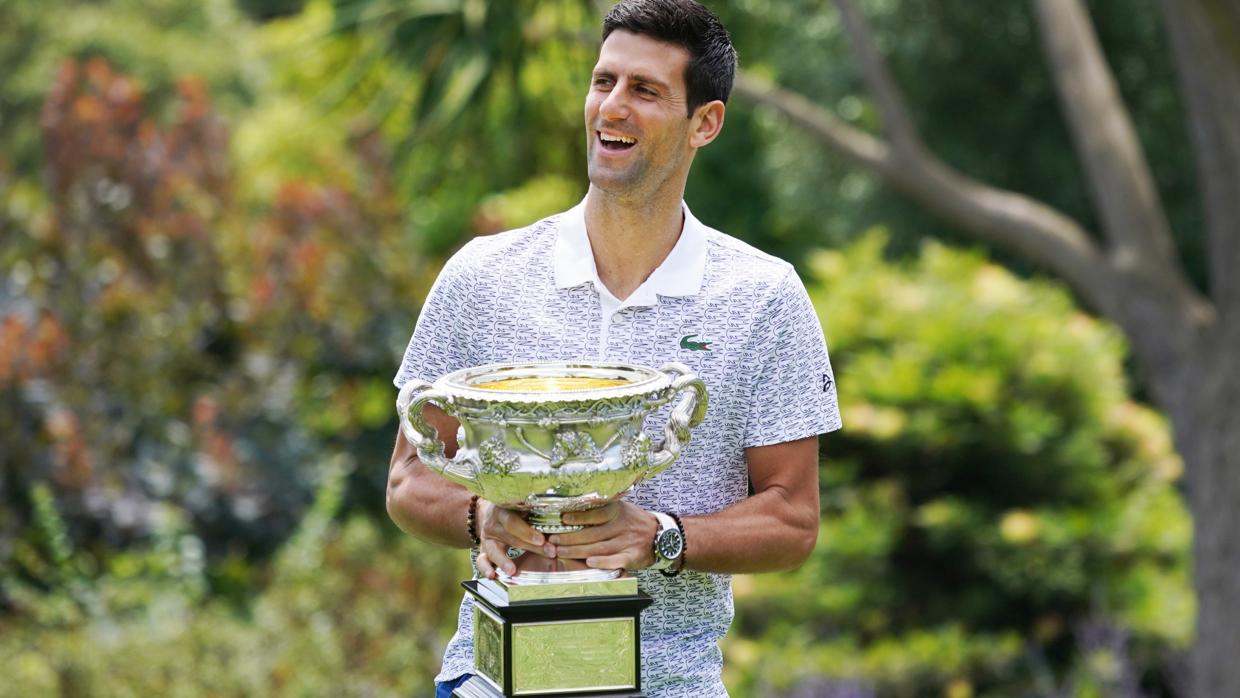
x=617, y=139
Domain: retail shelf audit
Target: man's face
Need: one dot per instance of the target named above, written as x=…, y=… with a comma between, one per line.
x=637, y=128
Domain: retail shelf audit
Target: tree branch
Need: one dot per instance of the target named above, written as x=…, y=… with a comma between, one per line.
x=1205, y=43
x=1007, y=219
x=897, y=123
x=864, y=150
x=1133, y=218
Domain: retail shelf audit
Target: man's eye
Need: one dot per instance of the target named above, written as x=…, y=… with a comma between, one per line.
x=602, y=82
x=646, y=92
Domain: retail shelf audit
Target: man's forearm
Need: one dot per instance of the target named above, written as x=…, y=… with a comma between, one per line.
x=763, y=533
x=427, y=506
x=421, y=502
x=775, y=529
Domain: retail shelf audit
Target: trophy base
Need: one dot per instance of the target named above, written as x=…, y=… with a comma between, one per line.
x=479, y=688
x=536, y=569
x=530, y=577
x=579, y=639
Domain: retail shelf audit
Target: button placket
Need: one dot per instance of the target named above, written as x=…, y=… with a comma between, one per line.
x=614, y=324
x=625, y=323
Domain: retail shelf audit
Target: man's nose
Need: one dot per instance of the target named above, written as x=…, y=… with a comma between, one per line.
x=615, y=106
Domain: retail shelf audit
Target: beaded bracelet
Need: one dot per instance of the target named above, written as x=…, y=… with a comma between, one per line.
x=684, y=548
x=472, y=519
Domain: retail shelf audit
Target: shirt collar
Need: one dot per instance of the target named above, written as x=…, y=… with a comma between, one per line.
x=680, y=273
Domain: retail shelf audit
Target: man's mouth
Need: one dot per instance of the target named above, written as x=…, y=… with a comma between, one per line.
x=615, y=142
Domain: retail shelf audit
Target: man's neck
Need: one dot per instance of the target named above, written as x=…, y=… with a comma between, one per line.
x=630, y=239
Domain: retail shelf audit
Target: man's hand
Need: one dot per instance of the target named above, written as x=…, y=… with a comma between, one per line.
x=500, y=529
x=617, y=536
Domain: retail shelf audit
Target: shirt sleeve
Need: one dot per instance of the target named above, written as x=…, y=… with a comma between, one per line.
x=438, y=345
x=794, y=391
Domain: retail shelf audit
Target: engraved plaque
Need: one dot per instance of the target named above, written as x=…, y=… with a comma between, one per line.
x=572, y=655
x=488, y=646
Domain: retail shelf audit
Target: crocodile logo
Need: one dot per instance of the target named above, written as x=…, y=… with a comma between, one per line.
x=686, y=342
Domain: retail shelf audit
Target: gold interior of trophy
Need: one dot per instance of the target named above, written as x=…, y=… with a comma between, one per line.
x=550, y=384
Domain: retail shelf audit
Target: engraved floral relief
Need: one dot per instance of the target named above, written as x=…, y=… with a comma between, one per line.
x=496, y=458
x=636, y=454
x=574, y=446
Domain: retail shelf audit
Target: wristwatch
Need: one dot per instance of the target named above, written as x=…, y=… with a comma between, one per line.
x=669, y=542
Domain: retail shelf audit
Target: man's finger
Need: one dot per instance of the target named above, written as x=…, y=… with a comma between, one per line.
x=592, y=517
x=585, y=550
x=524, y=535
x=619, y=561
x=589, y=534
x=508, y=526
x=485, y=568
x=497, y=554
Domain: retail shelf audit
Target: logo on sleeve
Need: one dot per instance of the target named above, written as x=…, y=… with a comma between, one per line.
x=686, y=342
x=827, y=382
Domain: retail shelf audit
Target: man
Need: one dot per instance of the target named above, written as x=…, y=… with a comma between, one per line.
x=630, y=275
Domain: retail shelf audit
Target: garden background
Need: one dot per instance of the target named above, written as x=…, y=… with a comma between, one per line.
x=218, y=219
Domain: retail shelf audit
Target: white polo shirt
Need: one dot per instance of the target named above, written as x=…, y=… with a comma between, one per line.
x=739, y=318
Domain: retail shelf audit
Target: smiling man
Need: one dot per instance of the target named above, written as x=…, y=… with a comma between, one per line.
x=631, y=275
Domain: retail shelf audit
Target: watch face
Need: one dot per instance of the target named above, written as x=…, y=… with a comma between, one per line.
x=670, y=544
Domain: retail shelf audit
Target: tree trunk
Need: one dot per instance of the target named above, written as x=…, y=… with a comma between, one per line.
x=1194, y=374
x=1205, y=406
x=1206, y=424
x=1205, y=43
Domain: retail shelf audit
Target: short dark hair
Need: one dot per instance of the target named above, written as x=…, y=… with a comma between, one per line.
x=686, y=23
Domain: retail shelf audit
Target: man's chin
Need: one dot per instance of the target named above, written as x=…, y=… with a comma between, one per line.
x=612, y=181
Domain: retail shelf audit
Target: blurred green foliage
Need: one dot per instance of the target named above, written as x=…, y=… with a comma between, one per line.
x=217, y=220
x=996, y=509
x=348, y=609
x=477, y=98
x=182, y=325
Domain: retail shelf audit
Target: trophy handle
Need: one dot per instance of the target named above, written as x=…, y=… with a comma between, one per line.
x=687, y=413
x=413, y=396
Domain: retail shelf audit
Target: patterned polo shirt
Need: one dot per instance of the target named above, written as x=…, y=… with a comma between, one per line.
x=736, y=316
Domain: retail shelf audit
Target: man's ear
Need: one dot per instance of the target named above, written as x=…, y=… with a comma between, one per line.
x=707, y=123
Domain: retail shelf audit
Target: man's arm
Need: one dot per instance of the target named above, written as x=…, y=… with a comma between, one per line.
x=421, y=502
x=775, y=529
x=430, y=507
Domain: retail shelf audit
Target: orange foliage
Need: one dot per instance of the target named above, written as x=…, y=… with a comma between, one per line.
x=30, y=350
x=160, y=317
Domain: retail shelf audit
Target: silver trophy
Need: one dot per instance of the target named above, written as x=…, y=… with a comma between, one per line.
x=549, y=438
x=553, y=437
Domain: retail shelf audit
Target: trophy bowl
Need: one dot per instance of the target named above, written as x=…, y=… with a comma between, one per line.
x=552, y=437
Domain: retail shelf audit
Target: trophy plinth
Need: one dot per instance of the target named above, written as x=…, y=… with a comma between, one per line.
x=561, y=639
x=545, y=439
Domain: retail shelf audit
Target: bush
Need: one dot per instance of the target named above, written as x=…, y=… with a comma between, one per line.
x=997, y=509
x=351, y=609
